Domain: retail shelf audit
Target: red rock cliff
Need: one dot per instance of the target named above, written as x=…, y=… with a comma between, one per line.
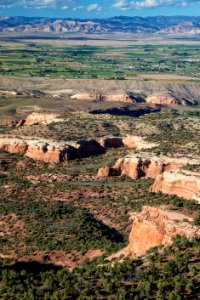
x=137, y=167
x=183, y=184
x=155, y=226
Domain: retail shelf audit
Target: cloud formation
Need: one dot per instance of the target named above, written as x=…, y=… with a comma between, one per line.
x=62, y=4
x=93, y=7
x=98, y=6
x=134, y=5
x=36, y=3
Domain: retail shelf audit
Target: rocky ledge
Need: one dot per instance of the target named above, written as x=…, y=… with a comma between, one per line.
x=136, y=166
x=56, y=152
x=181, y=183
x=101, y=97
x=42, y=118
x=161, y=99
x=155, y=226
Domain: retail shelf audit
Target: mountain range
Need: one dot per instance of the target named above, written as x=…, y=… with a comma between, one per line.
x=137, y=25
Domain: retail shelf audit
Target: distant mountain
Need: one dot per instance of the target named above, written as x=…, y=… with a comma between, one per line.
x=158, y=24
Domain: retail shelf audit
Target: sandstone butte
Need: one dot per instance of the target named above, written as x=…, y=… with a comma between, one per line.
x=42, y=118
x=155, y=226
x=181, y=183
x=137, y=167
x=56, y=152
x=101, y=97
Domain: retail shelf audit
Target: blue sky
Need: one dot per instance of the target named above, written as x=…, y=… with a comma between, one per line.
x=98, y=8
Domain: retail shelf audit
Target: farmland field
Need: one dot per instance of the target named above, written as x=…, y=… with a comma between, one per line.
x=58, y=60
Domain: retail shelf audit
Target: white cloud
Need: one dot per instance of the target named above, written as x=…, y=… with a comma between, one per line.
x=93, y=7
x=134, y=5
x=63, y=4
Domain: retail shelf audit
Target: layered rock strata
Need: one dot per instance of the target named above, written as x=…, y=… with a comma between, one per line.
x=137, y=167
x=165, y=100
x=55, y=152
x=101, y=97
x=155, y=99
x=181, y=183
x=42, y=118
x=155, y=226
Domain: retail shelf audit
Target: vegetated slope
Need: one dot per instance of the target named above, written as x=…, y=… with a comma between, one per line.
x=175, y=24
x=174, y=274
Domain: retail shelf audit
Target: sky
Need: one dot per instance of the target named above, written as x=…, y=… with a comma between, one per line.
x=98, y=8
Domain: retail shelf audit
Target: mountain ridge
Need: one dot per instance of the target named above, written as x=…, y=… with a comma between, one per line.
x=137, y=25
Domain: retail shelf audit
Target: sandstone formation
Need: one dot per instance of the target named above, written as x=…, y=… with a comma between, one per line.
x=42, y=118
x=181, y=183
x=50, y=152
x=154, y=99
x=155, y=226
x=8, y=93
x=134, y=142
x=9, y=123
x=165, y=100
x=101, y=97
x=13, y=145
x=85, y=148
x=55, y=152
x=137, y=167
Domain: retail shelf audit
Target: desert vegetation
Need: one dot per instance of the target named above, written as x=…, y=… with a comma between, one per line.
x=64, y=230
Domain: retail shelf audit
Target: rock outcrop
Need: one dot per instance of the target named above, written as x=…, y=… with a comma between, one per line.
x=55, y=152
x=101, y=97
x=181, y=183
x=134, y=142
x=155, y=226
x=42, y=118
x=8, y=94
x=13, y=145
x=154, y=99
x=50, y=152
x=165, y=100
x=137, y=167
